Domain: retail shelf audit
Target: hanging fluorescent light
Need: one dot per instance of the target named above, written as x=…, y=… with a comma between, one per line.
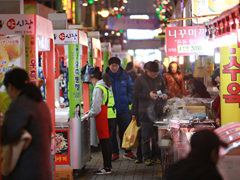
x=84, y=4
x=144, y=16
x=115, y=8
x=118, y=34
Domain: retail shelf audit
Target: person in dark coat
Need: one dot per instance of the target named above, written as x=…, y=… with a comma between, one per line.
x=202, y=160
x=122, y=89
x=130, y=70
x=145, y=94
x=27, y=111
x=197, y=88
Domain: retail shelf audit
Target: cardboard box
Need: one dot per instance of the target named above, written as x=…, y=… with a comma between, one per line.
x=196, y=109
x=64, y=174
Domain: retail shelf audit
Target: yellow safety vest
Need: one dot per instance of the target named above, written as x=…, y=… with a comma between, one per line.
x=111, y=113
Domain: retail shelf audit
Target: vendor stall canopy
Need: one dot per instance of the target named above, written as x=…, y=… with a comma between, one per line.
x=224, y=24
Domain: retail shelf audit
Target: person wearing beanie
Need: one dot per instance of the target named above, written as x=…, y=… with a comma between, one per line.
x=122, y=89
x=174, y=81
x=103, y=112
x=201, y=162
x=148, y=89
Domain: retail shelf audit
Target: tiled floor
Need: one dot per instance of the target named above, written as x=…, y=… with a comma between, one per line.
x=122, y=170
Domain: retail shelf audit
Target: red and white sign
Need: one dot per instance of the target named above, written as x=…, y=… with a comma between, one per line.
x=18, y=24
x=66, y=36
x=185, y=41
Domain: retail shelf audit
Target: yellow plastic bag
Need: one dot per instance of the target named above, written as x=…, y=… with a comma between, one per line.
x=130, y=139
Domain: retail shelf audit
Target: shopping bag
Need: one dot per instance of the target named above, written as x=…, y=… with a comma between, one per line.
x=130, y=139
x=10, y=153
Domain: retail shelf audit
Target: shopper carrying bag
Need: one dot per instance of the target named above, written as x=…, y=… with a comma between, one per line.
x=130, y=139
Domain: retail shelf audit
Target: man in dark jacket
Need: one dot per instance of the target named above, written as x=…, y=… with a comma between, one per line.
x=122, y=90
x=201, y=161
x=145, y=94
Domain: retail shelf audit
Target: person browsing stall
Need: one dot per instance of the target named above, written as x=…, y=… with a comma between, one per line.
x=145, y=94
x=102, y=109
x=174, y=81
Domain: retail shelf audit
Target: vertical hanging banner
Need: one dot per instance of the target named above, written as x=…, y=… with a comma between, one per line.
x=230, y=84
x=74, y=80
x=30, y=53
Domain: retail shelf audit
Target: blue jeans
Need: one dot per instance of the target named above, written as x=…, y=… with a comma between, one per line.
x=149, y=134
x=123, y=120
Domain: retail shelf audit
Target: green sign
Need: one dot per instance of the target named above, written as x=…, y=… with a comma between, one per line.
x=74, y=80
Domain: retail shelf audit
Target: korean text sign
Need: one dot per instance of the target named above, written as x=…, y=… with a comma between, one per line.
x=184, y=41
x=74, y=79
x=15, y=24
x=230, y=84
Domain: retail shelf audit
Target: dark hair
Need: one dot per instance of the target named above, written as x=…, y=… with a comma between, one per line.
x=19, y=79
x=94, y=72
x=129, y=66
x=203, y=142
x=215, y=74
x=152, y=66
x=114, y=60
x=169, y=67
x=78, y=105
x=106, y=79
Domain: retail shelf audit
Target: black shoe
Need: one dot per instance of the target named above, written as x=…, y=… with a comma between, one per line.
x=104, y=171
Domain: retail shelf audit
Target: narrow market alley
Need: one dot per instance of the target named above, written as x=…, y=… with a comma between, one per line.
x=122, y=170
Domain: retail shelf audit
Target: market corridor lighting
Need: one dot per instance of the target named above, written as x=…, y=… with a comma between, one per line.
x=104, y=13
x=118, y=34
x=85, y=4
x=106, y=34
x=144, y=16
x=90, y=1
x=181, y=60
x=217, y=58
x=192, y=58
x=115, y=8
x=125, y=1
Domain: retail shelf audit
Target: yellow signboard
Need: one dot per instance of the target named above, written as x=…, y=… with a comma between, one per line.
x=230, y=84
